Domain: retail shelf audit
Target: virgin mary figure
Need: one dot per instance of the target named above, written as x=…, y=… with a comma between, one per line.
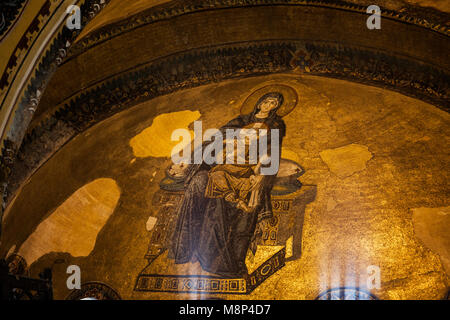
x=223, y=203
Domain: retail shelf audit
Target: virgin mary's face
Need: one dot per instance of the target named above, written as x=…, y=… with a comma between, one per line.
x=267, y=105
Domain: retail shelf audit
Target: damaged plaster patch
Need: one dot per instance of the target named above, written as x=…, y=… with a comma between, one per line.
x=347, y=160
x=431, y=225
x=155, y=141
x=150, y=223
x=73, y=227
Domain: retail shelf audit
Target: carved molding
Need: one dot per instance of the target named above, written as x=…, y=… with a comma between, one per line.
x=203, y=66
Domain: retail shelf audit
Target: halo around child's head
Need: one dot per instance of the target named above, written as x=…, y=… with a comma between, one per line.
x=289, y=94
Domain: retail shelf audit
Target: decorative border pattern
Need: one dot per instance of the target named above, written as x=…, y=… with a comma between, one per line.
x=208, y=284
x=95, y=291
x=10, y=10
x=24, y=43
x=189, y=284
x=425, y=17
x=89, y=9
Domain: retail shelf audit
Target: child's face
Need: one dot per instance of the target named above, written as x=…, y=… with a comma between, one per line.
x=177, y=169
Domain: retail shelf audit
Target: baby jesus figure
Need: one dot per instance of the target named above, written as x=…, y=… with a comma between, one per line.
x=238, y=183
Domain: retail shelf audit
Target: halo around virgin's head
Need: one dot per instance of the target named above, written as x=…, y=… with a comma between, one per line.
x=290, y=99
